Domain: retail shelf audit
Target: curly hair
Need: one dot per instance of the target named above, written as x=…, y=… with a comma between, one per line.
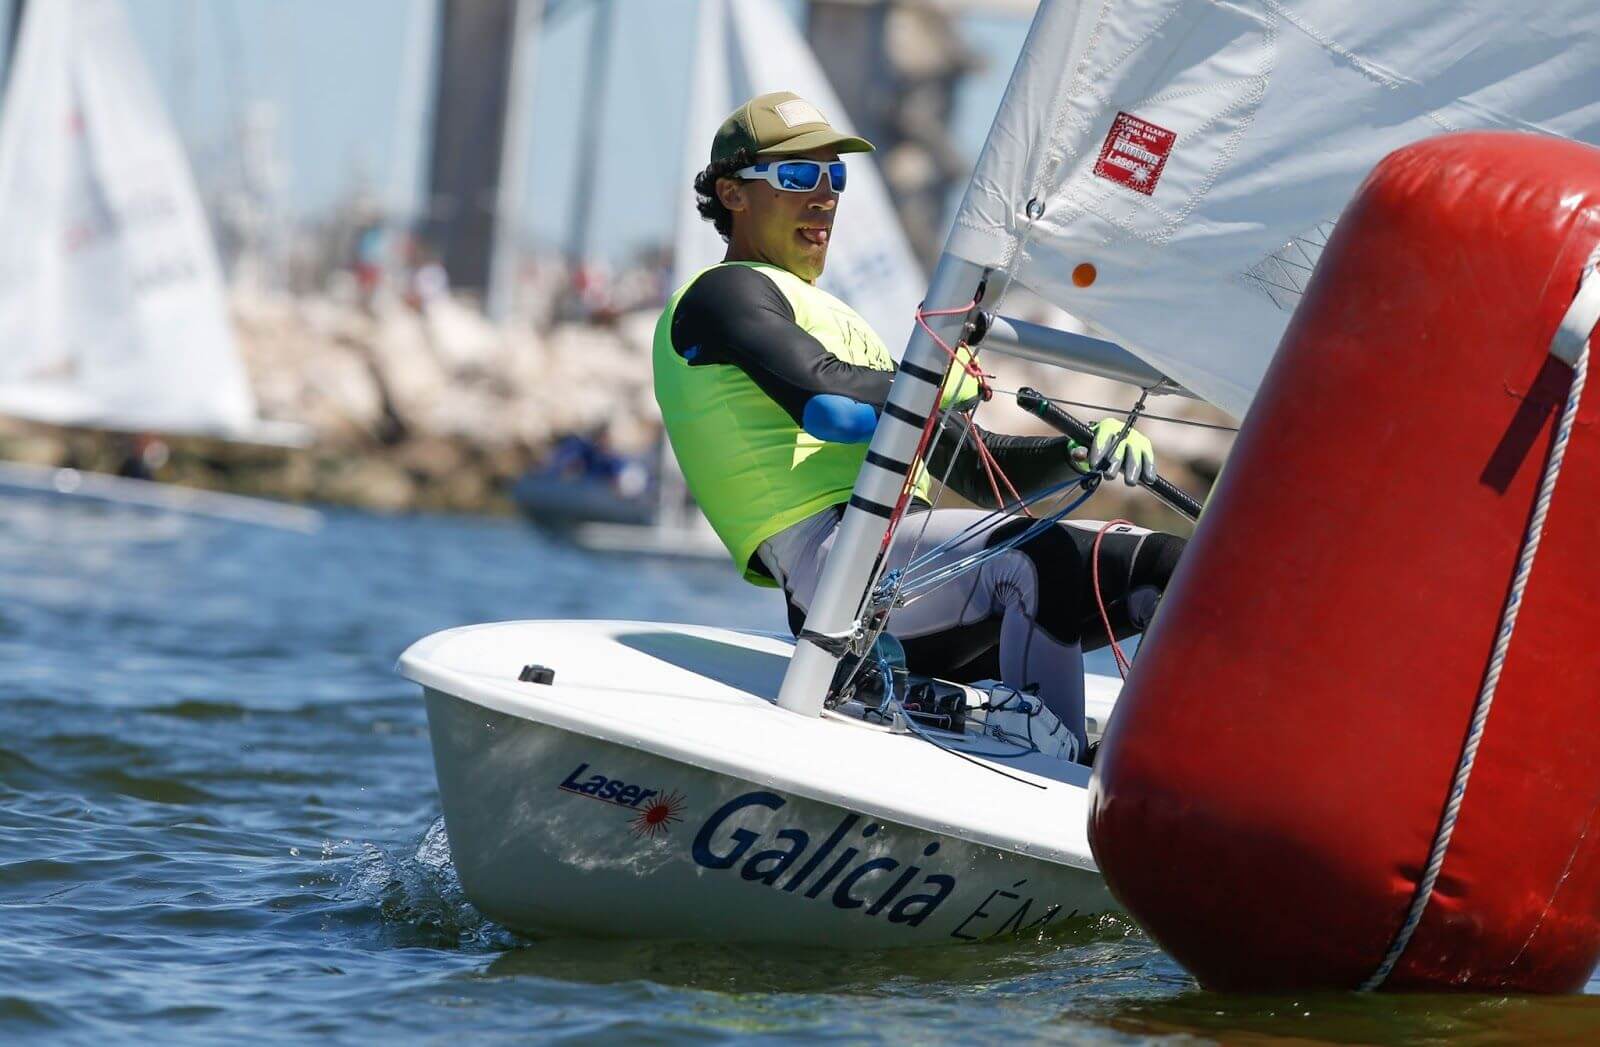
x=705, y=190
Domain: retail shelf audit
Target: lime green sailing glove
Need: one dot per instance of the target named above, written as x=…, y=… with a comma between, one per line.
x=1133, y=457
x=961, y=388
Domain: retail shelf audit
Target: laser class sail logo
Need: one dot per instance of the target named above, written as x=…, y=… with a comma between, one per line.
x=651, y=819
x=1135, y=153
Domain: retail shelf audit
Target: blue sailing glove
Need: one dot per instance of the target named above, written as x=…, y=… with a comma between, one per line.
x=1134, y=457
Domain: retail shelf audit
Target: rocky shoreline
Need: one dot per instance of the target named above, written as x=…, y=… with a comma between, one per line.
x=442, y=411
x=406, y=411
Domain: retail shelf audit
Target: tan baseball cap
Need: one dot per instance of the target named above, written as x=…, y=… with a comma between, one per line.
x=780, y=124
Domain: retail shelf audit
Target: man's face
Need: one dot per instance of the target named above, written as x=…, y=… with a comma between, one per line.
x=789, y=230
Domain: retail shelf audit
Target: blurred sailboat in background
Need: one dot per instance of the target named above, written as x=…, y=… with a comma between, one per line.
x=112, y=308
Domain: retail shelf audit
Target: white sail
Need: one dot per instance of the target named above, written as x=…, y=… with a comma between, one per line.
x=696, y=243
x=748, y=47
x=111, y=301
x=1196, y=154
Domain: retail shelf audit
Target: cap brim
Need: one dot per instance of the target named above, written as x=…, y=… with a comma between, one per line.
x=829, y=139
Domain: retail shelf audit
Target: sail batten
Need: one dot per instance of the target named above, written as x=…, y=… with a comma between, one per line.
x=1196, y=155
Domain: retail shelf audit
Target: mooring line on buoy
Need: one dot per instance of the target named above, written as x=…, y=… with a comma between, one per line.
x=1570, y=345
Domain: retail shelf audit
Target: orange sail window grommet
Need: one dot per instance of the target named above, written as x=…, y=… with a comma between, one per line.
x=1084, y=274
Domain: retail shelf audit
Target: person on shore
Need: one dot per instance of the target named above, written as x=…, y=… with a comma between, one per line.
x=770, y=390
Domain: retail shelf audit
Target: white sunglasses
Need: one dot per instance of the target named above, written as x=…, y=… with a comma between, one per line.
x=796, y=176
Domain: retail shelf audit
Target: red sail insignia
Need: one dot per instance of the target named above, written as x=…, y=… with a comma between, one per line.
x=1135, y=153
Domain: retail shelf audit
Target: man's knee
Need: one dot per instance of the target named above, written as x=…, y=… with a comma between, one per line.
x=1133, y=580
x=1061, y=571
x=1156, y=560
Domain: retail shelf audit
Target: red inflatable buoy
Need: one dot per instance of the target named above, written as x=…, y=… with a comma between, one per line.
x=1281, y=761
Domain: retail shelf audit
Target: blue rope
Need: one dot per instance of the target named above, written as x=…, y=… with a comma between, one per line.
x=908, y=581
x=1008, y=510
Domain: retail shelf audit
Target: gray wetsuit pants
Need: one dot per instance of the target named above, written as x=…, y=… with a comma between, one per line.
x=1024, y=616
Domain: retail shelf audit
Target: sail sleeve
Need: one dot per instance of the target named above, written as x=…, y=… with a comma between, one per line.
x=1170, y=169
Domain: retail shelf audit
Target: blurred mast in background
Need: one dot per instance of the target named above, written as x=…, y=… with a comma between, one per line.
x=597, y=73
x=411, y=117
x=472, y=95
x=518, y=136
x=896, y=65
x=13, y=29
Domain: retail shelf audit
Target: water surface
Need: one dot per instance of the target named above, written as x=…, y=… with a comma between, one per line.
x=218, y=820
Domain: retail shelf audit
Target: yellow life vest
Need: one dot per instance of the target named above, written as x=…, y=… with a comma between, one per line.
x=752, y=469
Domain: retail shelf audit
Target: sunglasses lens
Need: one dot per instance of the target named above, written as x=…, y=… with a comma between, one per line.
x=836, y=175
x=799, y=176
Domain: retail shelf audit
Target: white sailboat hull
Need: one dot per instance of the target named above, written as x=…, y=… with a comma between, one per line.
x=683, y=542
x=695, y=808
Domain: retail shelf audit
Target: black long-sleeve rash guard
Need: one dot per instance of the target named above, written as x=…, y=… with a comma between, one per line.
x=736, y=316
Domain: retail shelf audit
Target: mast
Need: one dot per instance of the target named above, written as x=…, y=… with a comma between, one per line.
x=13, y=33
x=594, y=94
x=840, y=591
x=411, y=110
x=469, y=120
x=517, y=136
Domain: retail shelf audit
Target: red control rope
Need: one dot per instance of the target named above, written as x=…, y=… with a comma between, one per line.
x=909, y=485
x=1123, y=664
x=991, y=468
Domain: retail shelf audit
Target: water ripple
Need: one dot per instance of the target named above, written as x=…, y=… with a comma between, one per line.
x=218, y=820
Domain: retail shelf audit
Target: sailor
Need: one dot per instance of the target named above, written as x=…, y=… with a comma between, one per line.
x=770, y=390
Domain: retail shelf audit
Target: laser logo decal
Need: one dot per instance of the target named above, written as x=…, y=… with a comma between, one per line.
x=659, y=816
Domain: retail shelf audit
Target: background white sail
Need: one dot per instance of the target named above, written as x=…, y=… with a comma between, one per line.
x=111, y=301
x=748, y=47
x=1249, y=126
